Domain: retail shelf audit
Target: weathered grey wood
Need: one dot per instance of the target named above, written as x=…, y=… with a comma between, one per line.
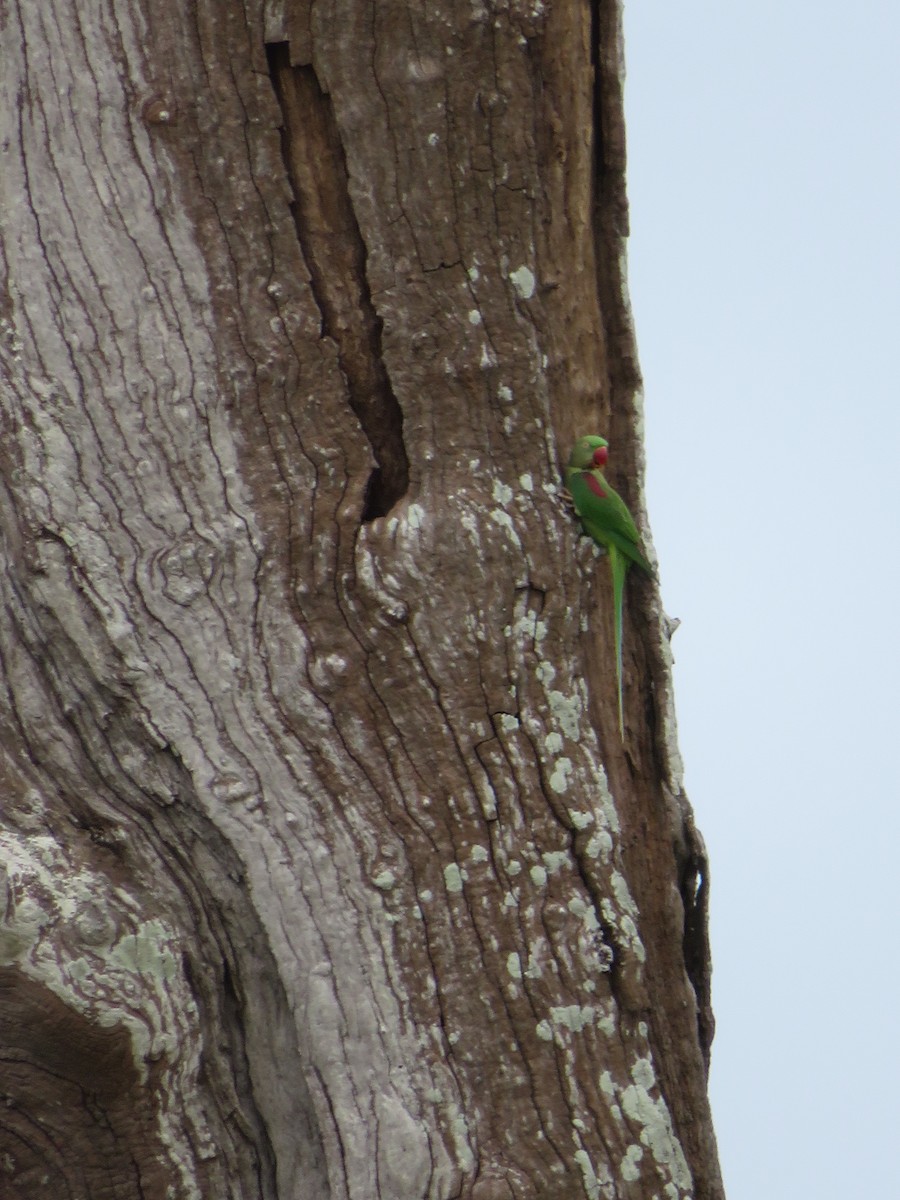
x=327, y=874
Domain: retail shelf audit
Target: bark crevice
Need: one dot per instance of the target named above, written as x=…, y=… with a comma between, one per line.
x=335, y=255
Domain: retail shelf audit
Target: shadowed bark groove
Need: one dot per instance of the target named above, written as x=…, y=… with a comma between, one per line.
x=335, y=255
x=697, y=951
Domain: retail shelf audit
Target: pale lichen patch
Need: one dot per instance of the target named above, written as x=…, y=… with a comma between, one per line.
x=580, y=820
x=626, y=926
x=588, y=914
x=643, y=1074
x=588, y=1174
x=621, y=893
x=504, y=520
x=554, y=860
x=469, y=522
x=566, y=710
x=607, y=1025
x=533, y=970
x=502, y=493
x=600, y=845
x=573, y=1016
x=545, y=673
x=540, y=631
x=629, y=931
x=459, y=1130
x=553, y=743
x=146, y=952
x=523, y=281
x=559, y=777
x=629, y=1167
x=454, y=877
x=657, y=1134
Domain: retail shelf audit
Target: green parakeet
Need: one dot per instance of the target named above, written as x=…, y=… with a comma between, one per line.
x=606, y=519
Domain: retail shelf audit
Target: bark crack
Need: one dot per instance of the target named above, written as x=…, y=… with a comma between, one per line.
x=335, y=255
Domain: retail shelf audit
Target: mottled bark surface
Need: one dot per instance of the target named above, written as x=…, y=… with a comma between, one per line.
x=326, y=872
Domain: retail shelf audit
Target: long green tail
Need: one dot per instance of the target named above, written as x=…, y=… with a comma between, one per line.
x=618, y=564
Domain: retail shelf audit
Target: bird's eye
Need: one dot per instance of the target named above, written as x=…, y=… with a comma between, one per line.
x=600, y=456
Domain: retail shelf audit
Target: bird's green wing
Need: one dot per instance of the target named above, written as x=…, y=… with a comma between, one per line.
x=604, y=514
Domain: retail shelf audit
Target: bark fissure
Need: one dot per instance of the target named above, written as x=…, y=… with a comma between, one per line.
x=335, y=255
x=697, y=954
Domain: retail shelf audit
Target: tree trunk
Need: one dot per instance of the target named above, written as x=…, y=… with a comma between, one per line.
x=327, y=871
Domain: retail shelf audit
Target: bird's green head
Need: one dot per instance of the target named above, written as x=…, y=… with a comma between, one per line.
x=588, y=452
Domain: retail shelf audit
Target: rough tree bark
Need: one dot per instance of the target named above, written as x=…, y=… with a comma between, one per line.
x=326, y=872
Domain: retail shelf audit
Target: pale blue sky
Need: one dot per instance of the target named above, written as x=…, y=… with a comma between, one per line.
x=764, y=176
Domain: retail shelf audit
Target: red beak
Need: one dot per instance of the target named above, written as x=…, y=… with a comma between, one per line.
x=601, y=454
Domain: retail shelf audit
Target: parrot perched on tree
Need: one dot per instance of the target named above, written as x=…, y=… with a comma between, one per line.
x=606, y=519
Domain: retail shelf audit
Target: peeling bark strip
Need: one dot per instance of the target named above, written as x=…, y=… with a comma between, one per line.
x=335, y=255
